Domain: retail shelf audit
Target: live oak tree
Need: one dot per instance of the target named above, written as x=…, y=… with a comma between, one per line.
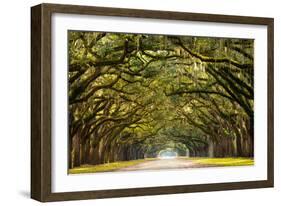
x=132, y=95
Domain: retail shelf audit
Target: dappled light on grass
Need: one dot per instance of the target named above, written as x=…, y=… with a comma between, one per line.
x=106, y=167
x=164, y=162
x=224, y=161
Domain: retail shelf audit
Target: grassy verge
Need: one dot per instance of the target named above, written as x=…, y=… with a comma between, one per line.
x=106, y=167
x=239, y=161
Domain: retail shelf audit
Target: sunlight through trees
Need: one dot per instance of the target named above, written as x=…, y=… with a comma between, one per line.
x=133, y=95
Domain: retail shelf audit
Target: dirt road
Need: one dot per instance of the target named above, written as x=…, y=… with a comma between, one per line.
x=157, y=164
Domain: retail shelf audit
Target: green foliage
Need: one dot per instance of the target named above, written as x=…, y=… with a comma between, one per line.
x=153, y=92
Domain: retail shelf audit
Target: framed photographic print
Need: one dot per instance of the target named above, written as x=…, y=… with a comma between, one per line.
x=132, y=102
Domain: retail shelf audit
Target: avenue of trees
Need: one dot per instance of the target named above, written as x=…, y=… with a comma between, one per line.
x=133, y=95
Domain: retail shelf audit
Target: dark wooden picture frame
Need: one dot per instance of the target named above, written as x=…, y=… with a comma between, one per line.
x=41, y=95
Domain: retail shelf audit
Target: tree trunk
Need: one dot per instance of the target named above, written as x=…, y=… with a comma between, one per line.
x=76, y=150
x=251, y=133
x=70, y=153
x=211, y=149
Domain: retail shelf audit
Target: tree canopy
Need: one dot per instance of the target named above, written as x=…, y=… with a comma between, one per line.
x=133, y=95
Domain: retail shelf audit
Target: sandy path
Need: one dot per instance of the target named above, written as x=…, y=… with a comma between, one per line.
x=165, y=164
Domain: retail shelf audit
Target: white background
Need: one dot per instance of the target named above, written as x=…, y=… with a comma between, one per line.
x=15, y=102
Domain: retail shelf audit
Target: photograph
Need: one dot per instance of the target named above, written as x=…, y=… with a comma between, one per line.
x=144, y=102
x=134, y=102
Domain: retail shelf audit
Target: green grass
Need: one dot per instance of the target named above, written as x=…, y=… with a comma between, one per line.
x=108, y=167
x=239, y=161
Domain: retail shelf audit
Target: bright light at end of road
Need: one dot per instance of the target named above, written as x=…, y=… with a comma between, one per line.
x=167, y=154
x=167, y=157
